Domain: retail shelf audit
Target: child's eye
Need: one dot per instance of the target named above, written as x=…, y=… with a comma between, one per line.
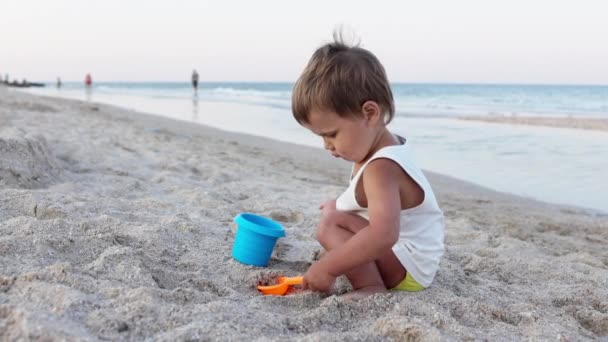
x=332, y=135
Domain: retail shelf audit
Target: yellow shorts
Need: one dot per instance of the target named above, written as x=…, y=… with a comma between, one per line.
x=408, y=284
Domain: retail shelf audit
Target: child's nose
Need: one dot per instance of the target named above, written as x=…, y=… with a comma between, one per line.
x=328, y=145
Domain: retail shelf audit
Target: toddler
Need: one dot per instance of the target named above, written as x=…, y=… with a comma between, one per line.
x=386, y=230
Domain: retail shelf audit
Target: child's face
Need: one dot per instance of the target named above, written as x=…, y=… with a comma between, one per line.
x=349, y=138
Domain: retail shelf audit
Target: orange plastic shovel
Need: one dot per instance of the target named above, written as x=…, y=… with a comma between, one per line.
x=281, y=288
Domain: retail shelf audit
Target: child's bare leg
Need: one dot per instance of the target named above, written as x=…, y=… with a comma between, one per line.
x=335, y=228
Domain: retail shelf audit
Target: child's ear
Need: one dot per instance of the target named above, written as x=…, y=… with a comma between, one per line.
x=371, y=111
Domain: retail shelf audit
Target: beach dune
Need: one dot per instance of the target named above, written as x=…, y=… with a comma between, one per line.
x=116, y=225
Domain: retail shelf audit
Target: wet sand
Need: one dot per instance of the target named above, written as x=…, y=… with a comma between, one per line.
x=563, y=122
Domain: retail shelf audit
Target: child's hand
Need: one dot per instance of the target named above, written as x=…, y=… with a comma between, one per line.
x=318, y=279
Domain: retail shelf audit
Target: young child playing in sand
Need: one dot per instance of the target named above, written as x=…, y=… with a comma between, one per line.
x=386, y=230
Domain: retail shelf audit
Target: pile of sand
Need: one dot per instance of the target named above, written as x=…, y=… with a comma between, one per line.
x=26, y=161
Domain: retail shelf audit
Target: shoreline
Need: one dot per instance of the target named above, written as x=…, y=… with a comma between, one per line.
x=559, y=122
x=274, y=124
x=235, y=121
x=118, y=225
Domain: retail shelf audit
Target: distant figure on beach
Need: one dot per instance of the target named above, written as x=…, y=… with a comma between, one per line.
x=386, y=231
x=195, y=80
x=88, y=80
x=58, y=82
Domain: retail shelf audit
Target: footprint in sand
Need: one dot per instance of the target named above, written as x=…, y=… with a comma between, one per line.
x=593, y=320
x=287, y=217
x=559, y=229
x=281, y=249
x=204, y=285
x=590, y=311
x=511, y=317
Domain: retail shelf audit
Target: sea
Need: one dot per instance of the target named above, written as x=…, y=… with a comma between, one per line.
x=556, y=165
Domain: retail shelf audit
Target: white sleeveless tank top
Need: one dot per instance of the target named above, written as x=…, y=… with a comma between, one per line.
x=421, y=232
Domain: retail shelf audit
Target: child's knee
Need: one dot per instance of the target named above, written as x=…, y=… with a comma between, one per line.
x=323, y=230
x=327, y=223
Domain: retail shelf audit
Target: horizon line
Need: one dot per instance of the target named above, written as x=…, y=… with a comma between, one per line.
x=202, y=82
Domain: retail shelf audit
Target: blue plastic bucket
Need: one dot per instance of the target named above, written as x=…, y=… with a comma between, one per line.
x=255, y=239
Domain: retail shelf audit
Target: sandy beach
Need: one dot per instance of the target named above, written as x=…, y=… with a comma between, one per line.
x=117, y=225
x=563, y=122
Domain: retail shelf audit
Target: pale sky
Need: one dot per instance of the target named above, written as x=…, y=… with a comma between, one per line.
x=468, y=41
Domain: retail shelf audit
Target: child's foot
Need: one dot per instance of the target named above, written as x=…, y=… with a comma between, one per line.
x=364, y=292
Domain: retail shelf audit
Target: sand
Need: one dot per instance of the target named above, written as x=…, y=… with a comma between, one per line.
x=597, y=124
x=116, y=225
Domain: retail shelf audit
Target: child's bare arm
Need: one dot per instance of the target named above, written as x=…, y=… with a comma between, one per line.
x=381, y=184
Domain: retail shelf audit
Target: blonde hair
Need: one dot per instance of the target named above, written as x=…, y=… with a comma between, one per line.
x=341, y=77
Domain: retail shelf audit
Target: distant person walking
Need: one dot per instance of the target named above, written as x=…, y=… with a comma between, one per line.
x=195, y=80
x=88, y=81
x=58, y=82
